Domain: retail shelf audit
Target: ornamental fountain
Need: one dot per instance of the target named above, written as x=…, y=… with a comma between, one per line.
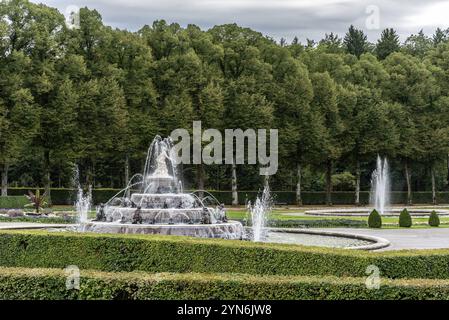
x=380, y=186
x=154, y=203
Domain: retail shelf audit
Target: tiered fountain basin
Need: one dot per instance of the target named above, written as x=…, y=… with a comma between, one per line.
x=225, y=230
x=164, y=208
x=164, y=216
x=364, y=212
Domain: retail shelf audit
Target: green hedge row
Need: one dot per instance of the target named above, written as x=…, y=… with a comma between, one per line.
x=127, y=253
x=63, y=196
x=40, y=219
x=318, y=223
x=13, y=202
x=50, y=284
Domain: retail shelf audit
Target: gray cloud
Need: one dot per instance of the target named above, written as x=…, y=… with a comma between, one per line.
x=275, y=18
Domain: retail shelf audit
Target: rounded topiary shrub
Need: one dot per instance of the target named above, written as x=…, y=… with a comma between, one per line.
x=434, y=219
x=374, y=219
x=405, y=219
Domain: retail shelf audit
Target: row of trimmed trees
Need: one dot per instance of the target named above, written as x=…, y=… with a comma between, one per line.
x=96, y=96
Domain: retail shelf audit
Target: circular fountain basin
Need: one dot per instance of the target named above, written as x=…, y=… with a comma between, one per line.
x=227, y=230
x=364, y=212
x=325, y=239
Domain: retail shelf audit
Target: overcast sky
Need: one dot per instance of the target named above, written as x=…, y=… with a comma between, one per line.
x=276, y=18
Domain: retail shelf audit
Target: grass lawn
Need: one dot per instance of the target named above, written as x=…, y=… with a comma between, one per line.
x=297, y=215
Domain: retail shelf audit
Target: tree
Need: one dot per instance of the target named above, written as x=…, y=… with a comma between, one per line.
x=387, y=44
x=53, y=93
x=355, y=41
x=134, y=59
x=299, y=127
x=331, y=43
x=417, y=45
x=101, y=119
x=412, y=88
x=325, y=102
x=440, y=36
x=18, y=117
x=439, y=61
x=369, y=130
x=246, y=81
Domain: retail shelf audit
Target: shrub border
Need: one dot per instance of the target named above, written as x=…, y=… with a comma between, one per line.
x=50, y=284
x=125, y=253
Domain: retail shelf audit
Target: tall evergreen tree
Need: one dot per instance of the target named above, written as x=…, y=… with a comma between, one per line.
x=355, y=41
x=440, y=36
x=387, y=44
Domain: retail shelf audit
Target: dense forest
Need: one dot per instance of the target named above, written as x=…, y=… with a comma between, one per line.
x=95, y=97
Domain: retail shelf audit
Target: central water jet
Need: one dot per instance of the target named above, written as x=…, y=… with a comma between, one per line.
x=380, y=186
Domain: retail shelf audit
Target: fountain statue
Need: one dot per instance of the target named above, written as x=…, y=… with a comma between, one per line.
x=380, y=186
x=153, y=203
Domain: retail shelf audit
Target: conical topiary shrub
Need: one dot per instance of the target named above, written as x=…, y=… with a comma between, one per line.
x=434, y=219
x=405, y=219
x=374, y=219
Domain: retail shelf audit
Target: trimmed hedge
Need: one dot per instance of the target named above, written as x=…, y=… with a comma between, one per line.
x=175, y=254
x=374, y=219
x=434, y=219
x=40, y=219
x=67, y=196
x=405, y=219
x=13, y=202
x=50, y=284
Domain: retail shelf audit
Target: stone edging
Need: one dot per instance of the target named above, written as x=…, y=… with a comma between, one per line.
x=379, y=243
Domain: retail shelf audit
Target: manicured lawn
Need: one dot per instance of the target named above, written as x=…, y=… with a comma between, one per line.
x=297, y=215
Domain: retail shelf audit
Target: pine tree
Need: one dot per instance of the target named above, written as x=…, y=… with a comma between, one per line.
x=387, y=44
x=355, y=41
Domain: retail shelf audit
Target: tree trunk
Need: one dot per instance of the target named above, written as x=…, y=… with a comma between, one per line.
x=408, y=178
x=357, y=183
x=434, y=192
x=47, y=182
x=89, y=174
x=200, y=174
x=5, y=180
x=127, y=195
x=329, y=183
x=93, y=176
x=235, y=195
x=447, y=171
x=298, y=185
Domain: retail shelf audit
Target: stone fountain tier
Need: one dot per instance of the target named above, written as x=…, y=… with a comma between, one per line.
x=155, y=215
x=228, y=230
x=160, y=180
x=163, y=200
